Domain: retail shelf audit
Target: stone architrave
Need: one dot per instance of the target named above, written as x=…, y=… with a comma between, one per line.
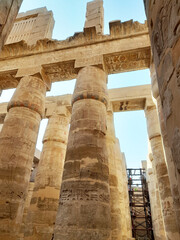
x=8, y=12
x=118, y=226
x=169, y=218
x=156, y=213
x=17, y=146
x=84, y=207
x=41, y=216
x=174, y=177
x=164, y=30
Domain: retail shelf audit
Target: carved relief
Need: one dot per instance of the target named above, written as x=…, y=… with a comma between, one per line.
x=122, y=62
x=176, y=148
x=160, y=34
x=8, y=81
x=178, y=74
x=82, y=194
x=61, y=71
x=167, y=103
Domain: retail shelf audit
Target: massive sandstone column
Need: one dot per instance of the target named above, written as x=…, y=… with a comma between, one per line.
x=17, y=146
x=118, y=225
x=8, y=12
x=84, y=210
x=164, y=28
x=174, y=177
x=123, y=193
x=126, y=197
x=156, y=213
x=44, y=203
x=166, y=200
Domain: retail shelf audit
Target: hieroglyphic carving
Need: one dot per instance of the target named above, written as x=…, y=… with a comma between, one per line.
x=8, y=80
x=61, y=71
x=167, y=103
x=176, y=148
x=178, y=73
x=83, y=194
x=122, y=62
x=129, y=105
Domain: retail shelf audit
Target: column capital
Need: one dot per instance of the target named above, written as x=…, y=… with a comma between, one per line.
x=37, y=71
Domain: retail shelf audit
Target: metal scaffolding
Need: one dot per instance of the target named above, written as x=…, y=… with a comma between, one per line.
x=139, y=204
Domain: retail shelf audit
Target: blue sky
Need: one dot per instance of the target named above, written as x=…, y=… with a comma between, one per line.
x=69, y=18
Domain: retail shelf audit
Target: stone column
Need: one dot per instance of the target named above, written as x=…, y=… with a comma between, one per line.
x=17, y=146
x=164, y=24
x=174, y=176
x=123, y=192
x=118, y=229
x=44, y=203
x=84, y=208
x=166, y=200
x=156, y=213
x=8, y=12
x=126, y=197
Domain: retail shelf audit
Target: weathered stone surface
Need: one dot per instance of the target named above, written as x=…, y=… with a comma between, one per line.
x=174, y=177
x=84, y=210
x=32, y=26
x=121, y=52
x=156, y=213
x=118, y=225
x=95, y=16
x=8, y=13
x=44, y=204
x=168, y=213
x=122, y=99
x=17, y=146
x=164, y=28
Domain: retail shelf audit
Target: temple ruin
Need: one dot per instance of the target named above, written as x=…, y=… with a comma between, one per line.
x=78, y=187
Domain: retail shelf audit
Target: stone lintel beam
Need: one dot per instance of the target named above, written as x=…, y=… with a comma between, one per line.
x=130, y=98
x=121, y=99
x=122, y=52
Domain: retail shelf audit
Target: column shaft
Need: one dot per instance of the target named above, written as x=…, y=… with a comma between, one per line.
x=126, y=197
x=166, y=200
x=164, y=22
x=117, y=228
x=174, y=176
x=84, y=210
x=17, y=146
x=44, y=203
x=156, y=213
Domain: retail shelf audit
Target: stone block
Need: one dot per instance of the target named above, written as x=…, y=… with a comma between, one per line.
x=39, y=21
